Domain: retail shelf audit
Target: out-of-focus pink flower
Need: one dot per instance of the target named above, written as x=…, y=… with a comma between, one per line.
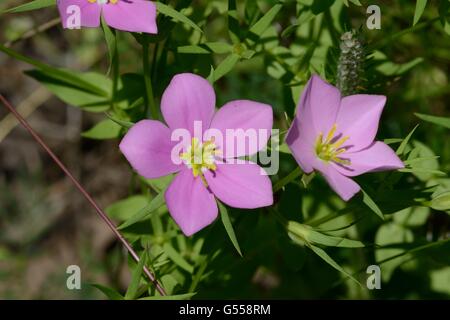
x=125, y=15
x=335, y=136
x=190, y=197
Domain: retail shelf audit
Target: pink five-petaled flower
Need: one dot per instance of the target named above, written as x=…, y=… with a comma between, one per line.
x=148, y=146
x=125, y=15
x=335, y=136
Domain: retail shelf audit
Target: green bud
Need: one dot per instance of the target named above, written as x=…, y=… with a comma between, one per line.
x=351, y=63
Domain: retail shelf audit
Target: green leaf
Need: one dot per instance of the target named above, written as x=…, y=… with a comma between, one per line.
x=145, y=212
x=198, y=276
x=228, y=226
x=207, y=48
x=72, y=93
x=169, y=283
x=177, y=258
x=325, y=257
x=171, y=12
x=226, y=66
x=420, y=7
x=402, y=148
x=356, y=2
x=105, y=129
x=391, y=233
x=110, y=293
x=111, y=42
x=418, y=171
x=127, y=208
x=185, y=296
x=307, y=234
x=423, y=160
x=160, y=184
x=444, y=10
x=391, y=69
x=412, y=217
x=440, y=121
x=123, y=124
x=262, y=24
x=133, y=287
x=441, y=202
x=234, y=29
x=368, y=201
x=79, y=80
x=440, y=280
x=33, y=5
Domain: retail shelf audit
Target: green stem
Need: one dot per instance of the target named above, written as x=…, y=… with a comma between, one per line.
x=115, y=75
x=288, y=179
x=149, y=97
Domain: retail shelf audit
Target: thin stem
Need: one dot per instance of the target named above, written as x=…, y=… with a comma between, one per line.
x=115, y=74
x=149, y=97
x=288, y=179
x=99, y=211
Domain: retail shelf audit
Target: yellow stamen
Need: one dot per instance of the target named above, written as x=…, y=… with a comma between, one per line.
x=331, y=133
x=200, y=157
x=328, y=151
x=340, y=142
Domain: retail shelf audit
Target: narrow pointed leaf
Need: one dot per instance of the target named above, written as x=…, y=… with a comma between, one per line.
x=110, y=293
x=325, y=257
x=171, y=12
x=32, y=5
x=136, y=278
x=420, y=7
x=143, y=214
x=228, y=226
x=440, y=121
x=177, y=258
x=185, y=296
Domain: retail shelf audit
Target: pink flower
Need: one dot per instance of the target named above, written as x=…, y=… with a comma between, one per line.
x=190, y=197
x=126, y=15
x=335, y=136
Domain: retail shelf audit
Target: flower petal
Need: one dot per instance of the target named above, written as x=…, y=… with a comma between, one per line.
x=251, y=123
x=378, y=157
x=241, y=185
x=320, y=104
x=190, y=203
x=188, y=98
x=300, y=140
x=134, y=16
x=345, y=187
x=147, y=146
x=89, y=13
x=358, y=118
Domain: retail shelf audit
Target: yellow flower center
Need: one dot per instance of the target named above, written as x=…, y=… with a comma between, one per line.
x=200, y=157
x=104, y=1
x=331, y=148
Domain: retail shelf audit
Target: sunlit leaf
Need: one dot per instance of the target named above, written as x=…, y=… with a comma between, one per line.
x=145, y=212
x=105, y=129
